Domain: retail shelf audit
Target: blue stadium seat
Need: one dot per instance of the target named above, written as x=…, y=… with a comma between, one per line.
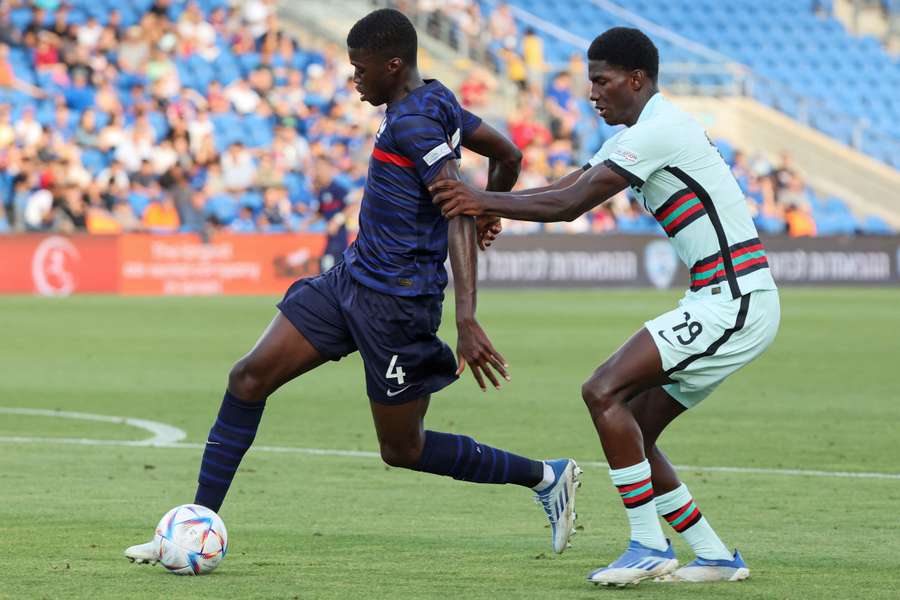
x=252, y=200
x=6, y=188
x=873, y=225
x=93, y=160
x=249, y=62
x=223, y=207
x=20, y=18
x=297, y=187
x=784, y=40
x=139, y=203
x=770, y=225
x=836, y=206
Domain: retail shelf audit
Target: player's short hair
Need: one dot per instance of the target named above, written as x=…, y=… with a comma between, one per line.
x=386, y=32
x=627, y=48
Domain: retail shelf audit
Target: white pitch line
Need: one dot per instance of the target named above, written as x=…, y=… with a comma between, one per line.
x=766, y=471
x=367, y=454
x=166, y=436
x=162, y=433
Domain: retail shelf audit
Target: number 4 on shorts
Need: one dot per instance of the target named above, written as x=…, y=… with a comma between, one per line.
x=395, y=372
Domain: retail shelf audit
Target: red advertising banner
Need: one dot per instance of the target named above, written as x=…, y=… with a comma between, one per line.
x=224, y=264
x=55, y=265
x=139, y=264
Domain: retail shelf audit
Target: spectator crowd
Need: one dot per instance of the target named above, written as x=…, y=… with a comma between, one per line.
x=167, y=116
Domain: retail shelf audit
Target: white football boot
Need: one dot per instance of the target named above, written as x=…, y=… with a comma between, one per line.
x=144, y=554
x=635, y=565
x=558, y=501
x=703, y=571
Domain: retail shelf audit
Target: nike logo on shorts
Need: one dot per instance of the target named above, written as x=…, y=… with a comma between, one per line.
x=391, y=393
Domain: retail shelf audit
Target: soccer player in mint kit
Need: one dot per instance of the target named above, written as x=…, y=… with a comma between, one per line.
x=728, y=317
x=384, y=298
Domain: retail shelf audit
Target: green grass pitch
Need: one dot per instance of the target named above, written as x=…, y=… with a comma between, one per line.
x=825, y=397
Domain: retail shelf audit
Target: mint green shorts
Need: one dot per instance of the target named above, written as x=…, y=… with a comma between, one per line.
x=706, y=339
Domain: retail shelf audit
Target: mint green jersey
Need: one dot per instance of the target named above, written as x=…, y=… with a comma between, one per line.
x=682, y=180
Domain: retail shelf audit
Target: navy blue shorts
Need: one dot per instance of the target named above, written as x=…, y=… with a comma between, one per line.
x=395, y=335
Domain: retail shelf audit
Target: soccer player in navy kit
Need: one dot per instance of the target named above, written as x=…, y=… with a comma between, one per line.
x=384, y=299
x=332, y=199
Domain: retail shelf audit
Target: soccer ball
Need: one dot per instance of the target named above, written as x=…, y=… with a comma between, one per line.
x=192, y=540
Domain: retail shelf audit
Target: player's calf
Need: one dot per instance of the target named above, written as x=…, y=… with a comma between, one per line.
x=229, y=439
x=400, y=455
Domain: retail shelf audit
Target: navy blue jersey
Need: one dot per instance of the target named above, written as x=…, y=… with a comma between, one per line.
x=332, y=199
x=402, y=242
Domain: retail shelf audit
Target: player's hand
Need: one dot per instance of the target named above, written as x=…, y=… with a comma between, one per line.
x=488, y=230
x=456, y=198
x=475, y=349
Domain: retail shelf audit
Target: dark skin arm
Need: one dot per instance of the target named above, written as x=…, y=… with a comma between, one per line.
x=473, y=346
x=504, y=163
x=595, y=186
x=561, y=183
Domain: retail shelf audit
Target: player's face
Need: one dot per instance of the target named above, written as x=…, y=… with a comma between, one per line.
x=371, y=76
x=612, y=91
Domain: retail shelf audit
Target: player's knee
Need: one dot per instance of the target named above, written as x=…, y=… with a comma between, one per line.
x=403, y=455
x=246, y=381
x=598, y=395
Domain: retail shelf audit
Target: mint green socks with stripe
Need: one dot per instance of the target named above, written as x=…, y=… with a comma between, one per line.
x=680, y=511
x=636, y=490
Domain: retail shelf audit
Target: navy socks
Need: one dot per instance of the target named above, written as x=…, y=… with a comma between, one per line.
x=228, y=441
x=457, y=456
x=463, y=458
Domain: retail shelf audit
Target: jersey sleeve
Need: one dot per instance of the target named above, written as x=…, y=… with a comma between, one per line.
x=424, y=142
x=597, y=158
x=601, y=155
x=470, y=122
x=640, y=151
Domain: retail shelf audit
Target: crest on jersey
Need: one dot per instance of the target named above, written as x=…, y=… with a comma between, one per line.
x=660, y=263
x=625, y=154
x=381, y=128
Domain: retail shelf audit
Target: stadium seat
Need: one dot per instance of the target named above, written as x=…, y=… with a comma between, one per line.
x=93, y=160
x=139, y=203
x=781, y=40
x=873, y=225
x=252, y=200
x=223, y=208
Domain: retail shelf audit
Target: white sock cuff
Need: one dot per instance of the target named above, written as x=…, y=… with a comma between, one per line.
x=672, y=501
x=548, y=480
x=632, y=474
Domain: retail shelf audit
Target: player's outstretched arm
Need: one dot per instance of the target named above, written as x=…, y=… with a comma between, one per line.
x=596, y=185
x=473, y=346
x=561, y=183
